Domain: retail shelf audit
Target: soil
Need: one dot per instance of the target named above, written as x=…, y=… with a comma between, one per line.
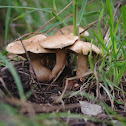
x=47, y=97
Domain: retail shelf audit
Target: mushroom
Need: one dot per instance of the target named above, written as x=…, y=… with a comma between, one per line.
x=69, y=30
x=58, y=42
x=36, y=38
x=34, y=47
x=83, y=49
x=17, y=45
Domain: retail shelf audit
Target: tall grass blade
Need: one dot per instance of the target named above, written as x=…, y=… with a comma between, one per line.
x=7, y=21
x=29, y=8
x=24, y=14
x=15, y=76
x=75, y=17
x=101, y=42
x=87, y=14
x=56, y=16
x=82, y=11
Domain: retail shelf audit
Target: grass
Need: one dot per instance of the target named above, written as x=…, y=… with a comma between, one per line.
x=113, y=47
x=15, y=76
x=114, y=50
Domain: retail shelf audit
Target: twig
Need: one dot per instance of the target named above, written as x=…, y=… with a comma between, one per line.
x=52, y=18
x=97, y=81
x=29, y=61
x=37, y=107
x=55, y=78
x=89, y=26
x=4, y=85
x=37, y=31
x=67, y=80
x=111, y=100
x=69, y=16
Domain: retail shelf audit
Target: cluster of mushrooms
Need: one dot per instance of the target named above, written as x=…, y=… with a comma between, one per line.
x=59, y=44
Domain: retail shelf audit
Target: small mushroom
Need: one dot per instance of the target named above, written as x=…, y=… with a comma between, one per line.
x=69, y=30
x=82, y=49
x=34, y=47
x=58, y=42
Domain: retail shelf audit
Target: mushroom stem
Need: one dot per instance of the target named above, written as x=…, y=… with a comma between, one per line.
x=41, y=71
x=61, y=59
x=82, y=65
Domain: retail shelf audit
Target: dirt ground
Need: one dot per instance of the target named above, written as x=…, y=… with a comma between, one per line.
x=47, y=96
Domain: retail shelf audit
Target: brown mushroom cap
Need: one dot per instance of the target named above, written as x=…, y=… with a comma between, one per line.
x=58, y=41
x=83, y=48
x=36, y=48
x=69, y=30
x=32, y=45
x=36, y=38
x=16, y=47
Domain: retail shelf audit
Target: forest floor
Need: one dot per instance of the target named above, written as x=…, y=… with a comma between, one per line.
x=44, y=101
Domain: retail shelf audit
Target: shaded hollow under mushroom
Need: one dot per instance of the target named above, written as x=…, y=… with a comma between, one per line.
x=82, y=49
x=41, y=71
x=58, y=42
x=17, y=48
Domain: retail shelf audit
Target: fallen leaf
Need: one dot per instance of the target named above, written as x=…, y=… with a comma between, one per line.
x=90, y=109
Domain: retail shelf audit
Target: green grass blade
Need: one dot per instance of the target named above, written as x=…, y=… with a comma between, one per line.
x=82, y=11
x=124, y=30
x=24, y=14
x=15, y=76
x=75, y=18
x=101, y=42
x=109, y=7
x=29, y=8
x=90, y=13
x=117, y=25
x=56, y=16
x=7, y=22
x=54, y=6
x=121, y=72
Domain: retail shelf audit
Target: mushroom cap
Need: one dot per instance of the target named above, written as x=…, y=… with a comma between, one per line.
x=16, y=47
x=36, y=48
x=31, y=44
x=69, y=29
x=58, y=41
x=36, y=38
x=83, y=48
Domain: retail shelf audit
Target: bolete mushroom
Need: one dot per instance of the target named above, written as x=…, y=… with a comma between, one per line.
x=82, y=49
x=58, y=42
x=69, y=30
x=32, y=46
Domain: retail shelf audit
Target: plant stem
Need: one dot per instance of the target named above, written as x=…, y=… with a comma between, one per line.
x=75, y=5
x=7, y=22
